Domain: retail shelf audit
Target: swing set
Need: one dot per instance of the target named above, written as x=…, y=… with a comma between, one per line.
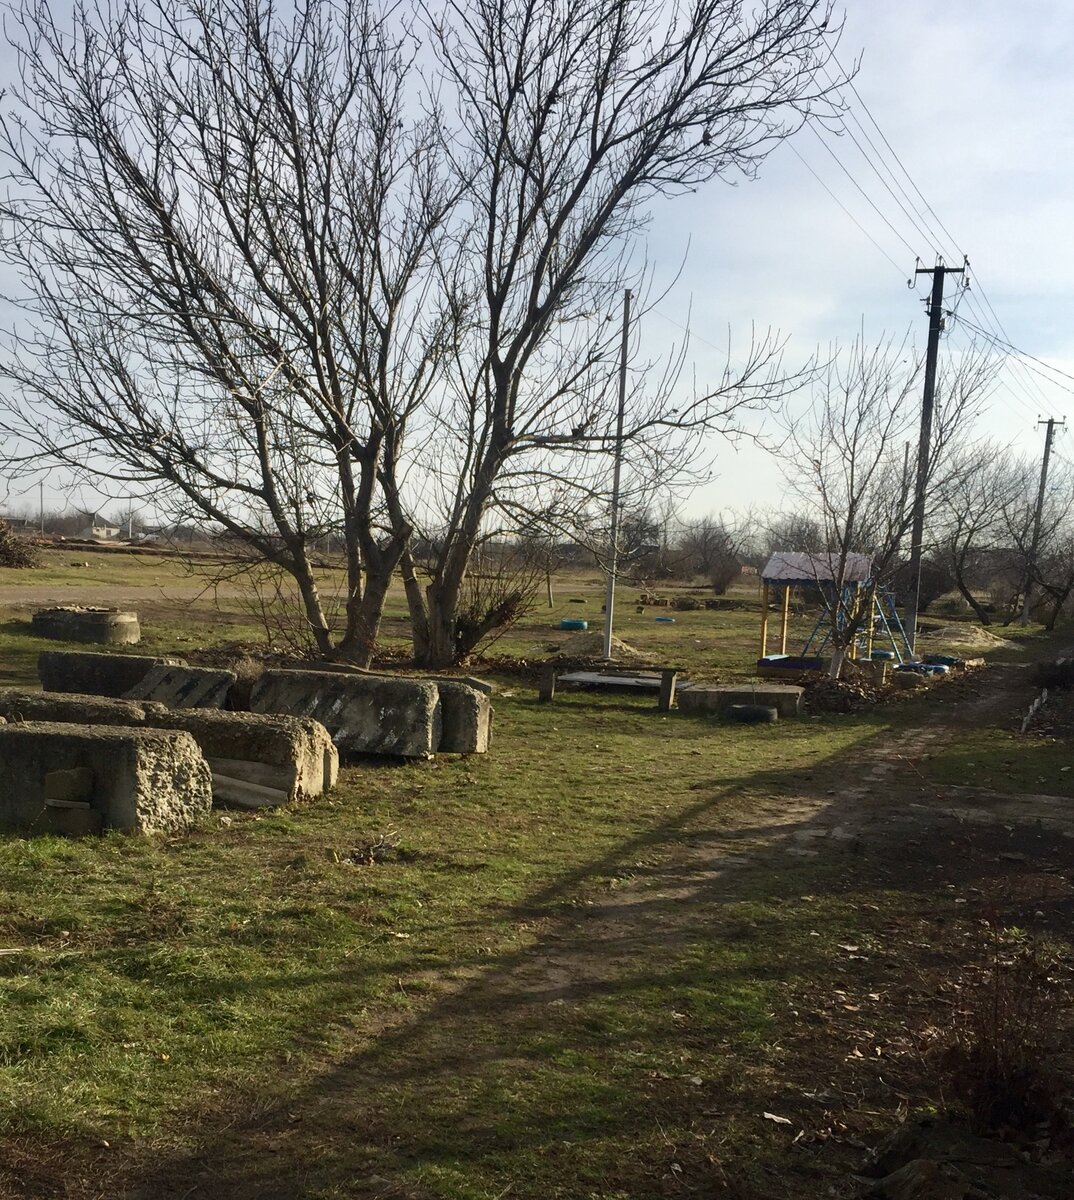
x=858, y=594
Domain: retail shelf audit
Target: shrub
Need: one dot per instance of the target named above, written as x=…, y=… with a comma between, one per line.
x=14, y=550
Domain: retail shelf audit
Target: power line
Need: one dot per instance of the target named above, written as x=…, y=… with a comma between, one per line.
x=1025, y=355
x=868, y=199
x=845, y=209
x=921, y=225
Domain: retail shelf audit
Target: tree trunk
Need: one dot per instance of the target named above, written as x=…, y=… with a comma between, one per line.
x=311, y=600
x=972, y=600
x=363, y=621
x=839, y=654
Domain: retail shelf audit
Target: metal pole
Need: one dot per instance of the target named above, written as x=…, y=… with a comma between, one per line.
x=41, y=504
x=613, y=552
x=917, y=529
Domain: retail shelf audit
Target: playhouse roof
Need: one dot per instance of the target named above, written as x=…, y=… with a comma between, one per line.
x=793, y=566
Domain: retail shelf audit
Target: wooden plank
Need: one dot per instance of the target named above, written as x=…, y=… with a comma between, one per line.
x=667, y=689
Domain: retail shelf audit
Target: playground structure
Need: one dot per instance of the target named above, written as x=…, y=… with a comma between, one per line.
x=849, y=600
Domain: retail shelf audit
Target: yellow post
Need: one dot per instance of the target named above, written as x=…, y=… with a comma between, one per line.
x=764, y=619
x=786, y=618
x=871, y=624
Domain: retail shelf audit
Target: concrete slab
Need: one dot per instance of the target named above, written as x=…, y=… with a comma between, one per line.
x=95, y=674
x=184, y=687
x=146, y=780
x=287, y=758
x=466, y=719
x=70, y=708
x=365, y=714
x=785, y=698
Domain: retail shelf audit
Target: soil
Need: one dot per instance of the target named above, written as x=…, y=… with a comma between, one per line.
x=856, y=1055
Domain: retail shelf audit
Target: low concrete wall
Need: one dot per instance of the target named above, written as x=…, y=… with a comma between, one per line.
x=466, y=718
x=184, y=687
x=75, y=778
x=365, y=714
x=256, y=760
x=91, y=674
x=718, y=698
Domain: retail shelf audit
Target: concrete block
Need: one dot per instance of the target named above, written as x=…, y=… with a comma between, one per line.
x=74, y=785
x=72, y=623
x=785, y=698
x=482, y=685
x=257, y=760
x=466, y=719
x=184, y=687
x=92, y=674
x=365, y=714
x=70, y=708
x=150, y=780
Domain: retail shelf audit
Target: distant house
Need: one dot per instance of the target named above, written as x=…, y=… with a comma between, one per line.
x=98, y=531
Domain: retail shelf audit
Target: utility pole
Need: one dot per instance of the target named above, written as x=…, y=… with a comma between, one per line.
x=613, y=564
x=1038, y=515
x=41, y=504
x=917, y=527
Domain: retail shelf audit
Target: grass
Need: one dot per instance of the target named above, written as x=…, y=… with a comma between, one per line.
x=152, y=977
x=543, y=993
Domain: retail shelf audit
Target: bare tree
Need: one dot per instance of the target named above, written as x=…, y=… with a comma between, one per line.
x=846, y=463
x=978, y=494
x=569, y=121
x=1045, y=562
x=223, y=216
x=276, y=282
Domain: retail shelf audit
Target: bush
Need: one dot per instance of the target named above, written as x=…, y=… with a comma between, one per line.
x=14, y=550
x=1007, y=1025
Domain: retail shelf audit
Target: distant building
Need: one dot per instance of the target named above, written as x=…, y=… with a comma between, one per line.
x=98, y=531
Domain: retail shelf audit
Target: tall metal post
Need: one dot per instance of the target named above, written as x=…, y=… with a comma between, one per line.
x=613, y=549
x=1038, y=515
x=917, y=528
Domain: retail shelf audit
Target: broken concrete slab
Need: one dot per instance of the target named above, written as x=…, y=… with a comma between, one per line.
x=785, y=698
x=147, y=780
x=184, y=687
x=70, y=708
x=95, y=674
x=365, y=714
x=292, y=755
x=257, y=760
x=466, y=718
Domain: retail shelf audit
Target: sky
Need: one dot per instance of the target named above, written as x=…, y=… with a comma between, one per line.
x=976, y=97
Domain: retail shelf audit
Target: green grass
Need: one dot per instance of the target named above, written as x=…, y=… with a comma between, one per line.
x=251, y=998
x=1004, y=760
x=153, y=976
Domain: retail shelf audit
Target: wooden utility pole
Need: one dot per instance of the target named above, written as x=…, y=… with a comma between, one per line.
x=613, y=550
x=1038, y=515
x=917, y=527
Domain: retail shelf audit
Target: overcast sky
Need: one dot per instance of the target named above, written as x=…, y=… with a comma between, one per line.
x=976, y=97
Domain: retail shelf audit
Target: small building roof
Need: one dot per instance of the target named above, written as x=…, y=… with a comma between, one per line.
x=797, y=567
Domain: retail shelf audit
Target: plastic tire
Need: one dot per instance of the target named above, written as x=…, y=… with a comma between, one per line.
x=574, y=624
